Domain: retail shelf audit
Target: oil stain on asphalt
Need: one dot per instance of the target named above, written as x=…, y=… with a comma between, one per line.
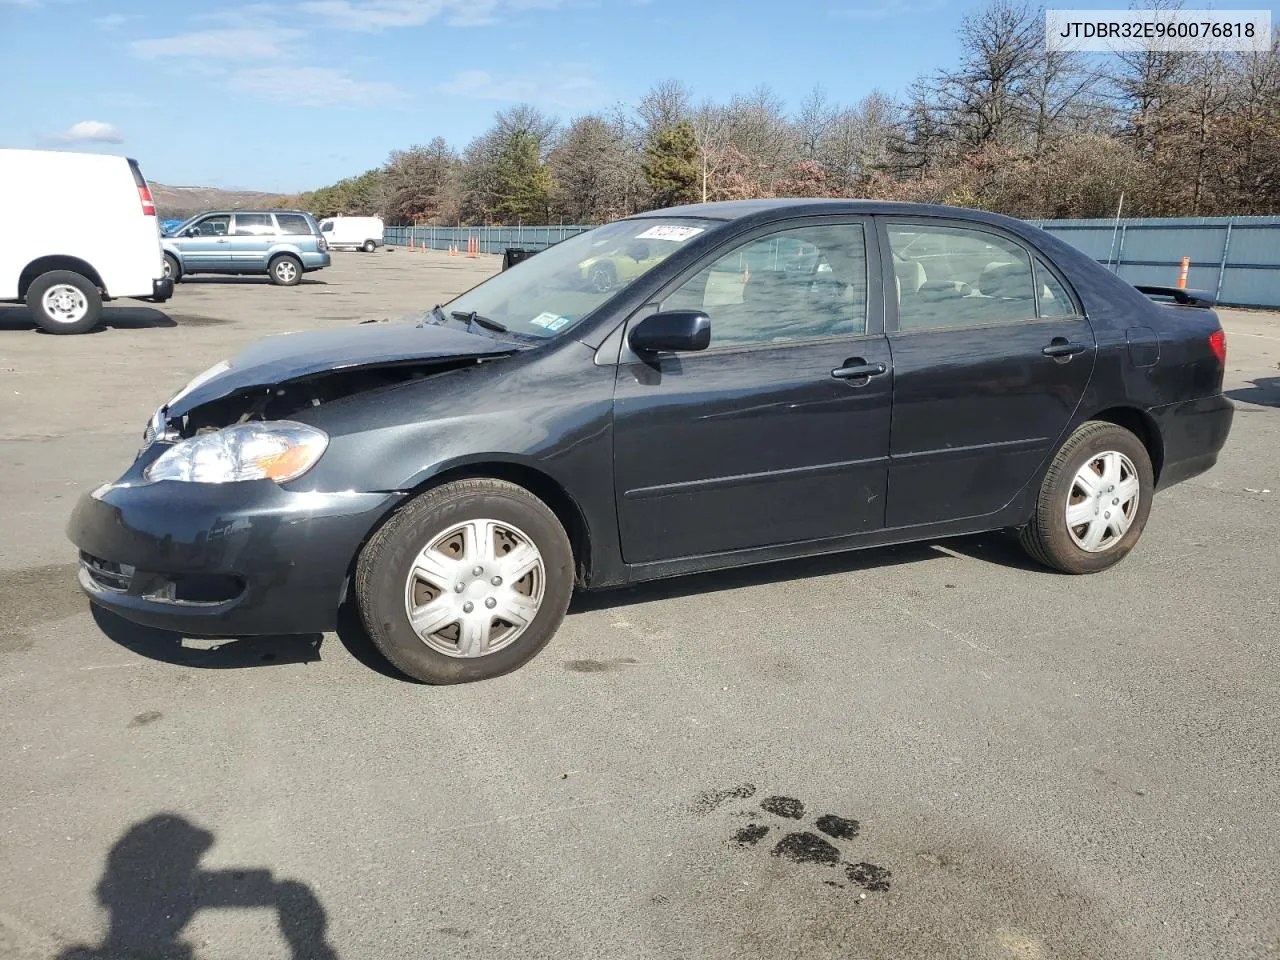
x=798, y=846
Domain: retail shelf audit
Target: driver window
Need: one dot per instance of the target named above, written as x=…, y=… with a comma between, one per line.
x=213, y=227
x=805, y=283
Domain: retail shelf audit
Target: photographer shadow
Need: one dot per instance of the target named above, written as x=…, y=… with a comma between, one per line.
x=152, y=886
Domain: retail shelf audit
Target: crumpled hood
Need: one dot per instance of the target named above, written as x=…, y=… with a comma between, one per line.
x=289, y=356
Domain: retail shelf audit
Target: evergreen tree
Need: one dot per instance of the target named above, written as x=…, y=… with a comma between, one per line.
x=670, y=165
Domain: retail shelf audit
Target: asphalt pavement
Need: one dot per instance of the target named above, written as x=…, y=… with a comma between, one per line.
x=931, y=751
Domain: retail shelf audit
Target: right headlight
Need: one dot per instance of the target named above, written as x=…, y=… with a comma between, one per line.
x=279, y=450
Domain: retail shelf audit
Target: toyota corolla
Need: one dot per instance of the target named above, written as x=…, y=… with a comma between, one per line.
x=777, y=379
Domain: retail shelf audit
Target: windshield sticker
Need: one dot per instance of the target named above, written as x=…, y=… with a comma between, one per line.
x=552, y=321
x=557, y=323
x=676, y=234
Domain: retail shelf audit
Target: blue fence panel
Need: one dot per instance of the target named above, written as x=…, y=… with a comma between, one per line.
x=1235, y=258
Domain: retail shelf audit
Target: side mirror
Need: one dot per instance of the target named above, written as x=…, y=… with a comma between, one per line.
x=674, y=330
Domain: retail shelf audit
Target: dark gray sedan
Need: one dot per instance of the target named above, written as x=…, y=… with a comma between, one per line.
x=769, y=379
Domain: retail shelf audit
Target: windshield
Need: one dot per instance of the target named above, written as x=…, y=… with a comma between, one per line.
x=551, y=292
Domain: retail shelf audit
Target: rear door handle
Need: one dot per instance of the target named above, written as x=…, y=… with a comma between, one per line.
x=859, y=369
x=224, y=241
x=1061, y=349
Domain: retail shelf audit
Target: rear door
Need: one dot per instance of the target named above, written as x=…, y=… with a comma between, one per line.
x=779, y=431
x=991, y=356
x=254, y=235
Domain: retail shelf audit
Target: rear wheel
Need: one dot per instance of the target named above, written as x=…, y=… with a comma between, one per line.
x=61, y=301
x=369, y=246
x=172, y=269
x=285, y=270
x=468, y=581
x=1094, y=501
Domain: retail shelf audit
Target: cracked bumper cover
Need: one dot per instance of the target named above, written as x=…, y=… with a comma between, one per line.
x=260, y=559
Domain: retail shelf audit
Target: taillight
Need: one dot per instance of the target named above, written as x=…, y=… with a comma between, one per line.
x=1218, y=344
x=148, y=205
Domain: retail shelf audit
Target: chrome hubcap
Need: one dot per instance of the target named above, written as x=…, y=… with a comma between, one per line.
x=65, y=303
x=168, y=268
x=1103, y=501
x=475, y=588
x=286, y=271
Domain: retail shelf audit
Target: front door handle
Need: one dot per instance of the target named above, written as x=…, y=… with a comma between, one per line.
x=224, y=241
x=857, y=369
x=1062, y=349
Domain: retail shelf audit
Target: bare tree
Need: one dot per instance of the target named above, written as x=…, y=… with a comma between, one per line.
x=665, y=105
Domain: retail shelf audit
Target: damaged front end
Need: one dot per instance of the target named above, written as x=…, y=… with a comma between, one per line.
x=279, y=376
x=173, y=422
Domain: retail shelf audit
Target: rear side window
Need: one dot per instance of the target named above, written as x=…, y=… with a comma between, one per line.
x=959, y=277
x=294, y=224
x=1054, y=299
x=254, y=225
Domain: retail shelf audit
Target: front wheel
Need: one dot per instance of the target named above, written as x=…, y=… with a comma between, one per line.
x=61, y=301
x=285, y=271
x=1094, y=501
x=468, y=581
x=172, y=269
x=369, y=246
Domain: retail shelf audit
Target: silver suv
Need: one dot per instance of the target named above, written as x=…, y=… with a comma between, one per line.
x=283, y=244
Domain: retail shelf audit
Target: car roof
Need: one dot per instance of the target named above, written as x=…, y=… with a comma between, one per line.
x=799, y=206
x=227, y=213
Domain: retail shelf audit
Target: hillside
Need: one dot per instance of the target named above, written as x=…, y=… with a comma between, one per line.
x=178, y=203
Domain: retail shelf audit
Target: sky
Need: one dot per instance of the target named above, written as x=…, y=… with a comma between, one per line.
x=295, y=94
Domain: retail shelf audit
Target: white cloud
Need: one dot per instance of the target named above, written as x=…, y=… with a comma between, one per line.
x=374, y=15
x=572, y=92
x=312, y=86
x=261, y=43
x=113, y=21
x=888, y=8
x=89, y=131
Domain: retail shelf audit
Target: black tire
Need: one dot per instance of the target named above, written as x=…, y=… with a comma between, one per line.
x=369, y=246
x=1047, y=539
x=601, y=277
x=382, y=574
x=90, y=301
x=285, y=270
x=172, y=269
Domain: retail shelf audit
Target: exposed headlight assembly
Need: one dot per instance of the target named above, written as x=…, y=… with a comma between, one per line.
x=279, y=450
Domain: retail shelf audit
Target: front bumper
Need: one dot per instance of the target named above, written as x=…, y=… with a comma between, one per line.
x=236, y=559
x=161, y=290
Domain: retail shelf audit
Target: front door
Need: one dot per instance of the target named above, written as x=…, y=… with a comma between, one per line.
x=779, y=431
x=206, y=244
x=991, y=356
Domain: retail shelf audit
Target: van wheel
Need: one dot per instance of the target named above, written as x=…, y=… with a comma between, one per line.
x=172, y=269
x=468, y=581
x=285, y=271
x=1093, y=502
x=369, y=246
x=64, y=302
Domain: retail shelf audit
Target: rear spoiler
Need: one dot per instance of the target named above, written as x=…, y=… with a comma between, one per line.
x=1184, y=298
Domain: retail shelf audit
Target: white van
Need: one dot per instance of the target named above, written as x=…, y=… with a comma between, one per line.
x=357, y=233
x=76, y=229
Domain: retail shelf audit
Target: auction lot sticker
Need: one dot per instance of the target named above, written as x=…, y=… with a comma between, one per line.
x=1189, y=31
